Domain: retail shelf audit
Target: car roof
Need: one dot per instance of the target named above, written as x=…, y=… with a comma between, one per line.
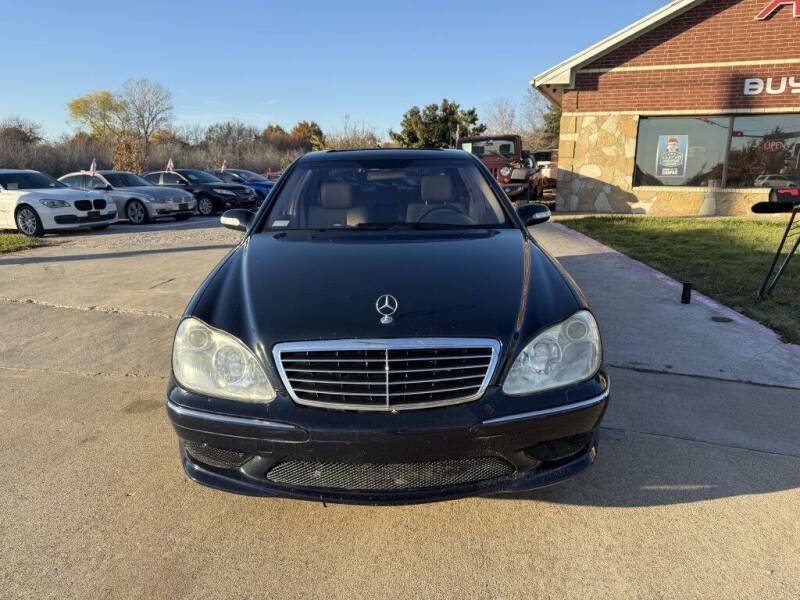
x=7, y=171
x=386, y=153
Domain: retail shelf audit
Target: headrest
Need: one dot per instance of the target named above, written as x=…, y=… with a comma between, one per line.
x=336, y=195
x=436, y=189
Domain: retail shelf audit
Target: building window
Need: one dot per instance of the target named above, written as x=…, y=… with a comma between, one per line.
x=765, y=152
x=734, y=152
x=682, y=151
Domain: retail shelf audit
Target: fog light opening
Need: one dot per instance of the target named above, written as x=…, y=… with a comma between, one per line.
x=216, y=457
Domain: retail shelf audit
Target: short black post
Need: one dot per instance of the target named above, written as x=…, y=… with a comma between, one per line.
x=686, y=296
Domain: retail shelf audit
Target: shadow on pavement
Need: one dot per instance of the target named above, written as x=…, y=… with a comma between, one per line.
x=634, y=469
x=125, y=254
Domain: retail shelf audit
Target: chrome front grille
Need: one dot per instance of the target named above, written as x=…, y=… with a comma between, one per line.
x=386, y=375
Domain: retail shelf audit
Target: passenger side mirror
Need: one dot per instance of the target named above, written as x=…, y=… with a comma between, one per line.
x=98, y=185
x=533, y=213
x=238, y=219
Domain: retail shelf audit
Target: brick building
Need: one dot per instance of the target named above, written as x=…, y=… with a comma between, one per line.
x=693, y=110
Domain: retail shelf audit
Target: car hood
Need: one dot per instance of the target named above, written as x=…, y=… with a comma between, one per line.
x=157, y=191
x=59, y=193
x=234, y=187
x=299, y=286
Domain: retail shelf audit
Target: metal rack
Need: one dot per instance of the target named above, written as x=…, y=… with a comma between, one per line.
x=786, y=201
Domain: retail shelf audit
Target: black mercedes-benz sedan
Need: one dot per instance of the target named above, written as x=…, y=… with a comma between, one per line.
x=387, y=331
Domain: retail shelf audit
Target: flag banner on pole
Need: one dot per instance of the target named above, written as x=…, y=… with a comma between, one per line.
x=93, y=168
x=170, y=166
x=224, y=165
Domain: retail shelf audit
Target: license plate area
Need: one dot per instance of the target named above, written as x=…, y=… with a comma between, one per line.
x=183, y=206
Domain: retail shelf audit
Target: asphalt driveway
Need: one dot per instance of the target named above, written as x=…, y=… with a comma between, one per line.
x=694, y=495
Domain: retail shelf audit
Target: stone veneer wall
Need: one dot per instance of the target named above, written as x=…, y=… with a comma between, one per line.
x=595, y=174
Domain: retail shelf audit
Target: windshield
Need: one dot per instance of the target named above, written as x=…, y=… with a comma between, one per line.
x=386, y=194
x=28, y=180
x=196, y=176
x=499, y=147
x=125, y=180
x=249, y=175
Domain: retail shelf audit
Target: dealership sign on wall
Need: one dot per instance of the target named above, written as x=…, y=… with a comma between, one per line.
x=771, y=85
x=775, y=5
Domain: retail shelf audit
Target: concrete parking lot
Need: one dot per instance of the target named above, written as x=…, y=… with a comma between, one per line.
x=694, y=495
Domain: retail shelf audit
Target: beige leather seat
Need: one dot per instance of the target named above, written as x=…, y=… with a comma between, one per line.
x=435, y=190
x=336, y=208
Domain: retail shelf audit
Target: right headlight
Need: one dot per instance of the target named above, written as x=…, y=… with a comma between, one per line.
x=53, y=203
x=564, y=354
x=224, y=192
x=215, y=363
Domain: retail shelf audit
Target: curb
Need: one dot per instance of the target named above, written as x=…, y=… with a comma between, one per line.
x=721, y=309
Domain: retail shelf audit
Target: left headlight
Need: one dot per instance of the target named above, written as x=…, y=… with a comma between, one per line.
x=566, y=353
x=52, y=203
x=506, y=171
x=154, y=199
x=224, y=192
x=212, y=362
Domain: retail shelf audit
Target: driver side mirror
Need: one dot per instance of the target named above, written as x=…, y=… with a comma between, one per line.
x=182, y=182
x=533, y=213
x=99, y=185
x=238, y=219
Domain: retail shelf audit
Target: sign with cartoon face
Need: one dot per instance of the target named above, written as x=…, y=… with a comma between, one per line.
x=671, y=155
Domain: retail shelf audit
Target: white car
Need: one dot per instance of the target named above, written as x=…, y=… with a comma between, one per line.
x=775, y=181
x=137, y=199
x=35, y=203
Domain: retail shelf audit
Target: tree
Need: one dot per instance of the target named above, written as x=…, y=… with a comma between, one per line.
x=502, y=117
x=308, y=135
x=551, y=127
x=351, y=136
x=273, y=131
x=103, y=113
x=230, y=134
x=148, y=108
x=436, y=126
x=15, y=130
x=127, y=156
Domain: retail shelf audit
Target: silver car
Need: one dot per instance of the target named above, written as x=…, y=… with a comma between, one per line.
x=136, y=199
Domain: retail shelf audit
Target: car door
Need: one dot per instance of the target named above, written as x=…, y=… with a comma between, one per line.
x=174, y=180
x=119, y=197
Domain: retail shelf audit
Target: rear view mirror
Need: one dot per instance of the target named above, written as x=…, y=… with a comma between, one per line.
x=533, y=213
x=238, y=219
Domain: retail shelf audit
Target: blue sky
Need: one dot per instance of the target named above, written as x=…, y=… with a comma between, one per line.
x=280, y=62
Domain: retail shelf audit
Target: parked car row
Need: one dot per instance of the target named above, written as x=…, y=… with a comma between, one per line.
x=35, y=203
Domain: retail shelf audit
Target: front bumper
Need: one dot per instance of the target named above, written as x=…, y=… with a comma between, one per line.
x=514, y=189
x=541, y=446
x=240, y=201
x=66, y=218
x=171, y=208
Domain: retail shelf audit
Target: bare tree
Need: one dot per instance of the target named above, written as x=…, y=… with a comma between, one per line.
x=352, y=135
x=148, y=107
x=501, y=117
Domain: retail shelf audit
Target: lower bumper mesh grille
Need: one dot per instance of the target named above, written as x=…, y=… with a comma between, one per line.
x=388, y=477
x=216, y=457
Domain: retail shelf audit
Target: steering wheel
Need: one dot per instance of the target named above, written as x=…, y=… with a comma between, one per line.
x=438, y=214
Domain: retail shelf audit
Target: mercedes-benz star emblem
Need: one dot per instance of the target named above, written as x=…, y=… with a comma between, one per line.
x=386, y=307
